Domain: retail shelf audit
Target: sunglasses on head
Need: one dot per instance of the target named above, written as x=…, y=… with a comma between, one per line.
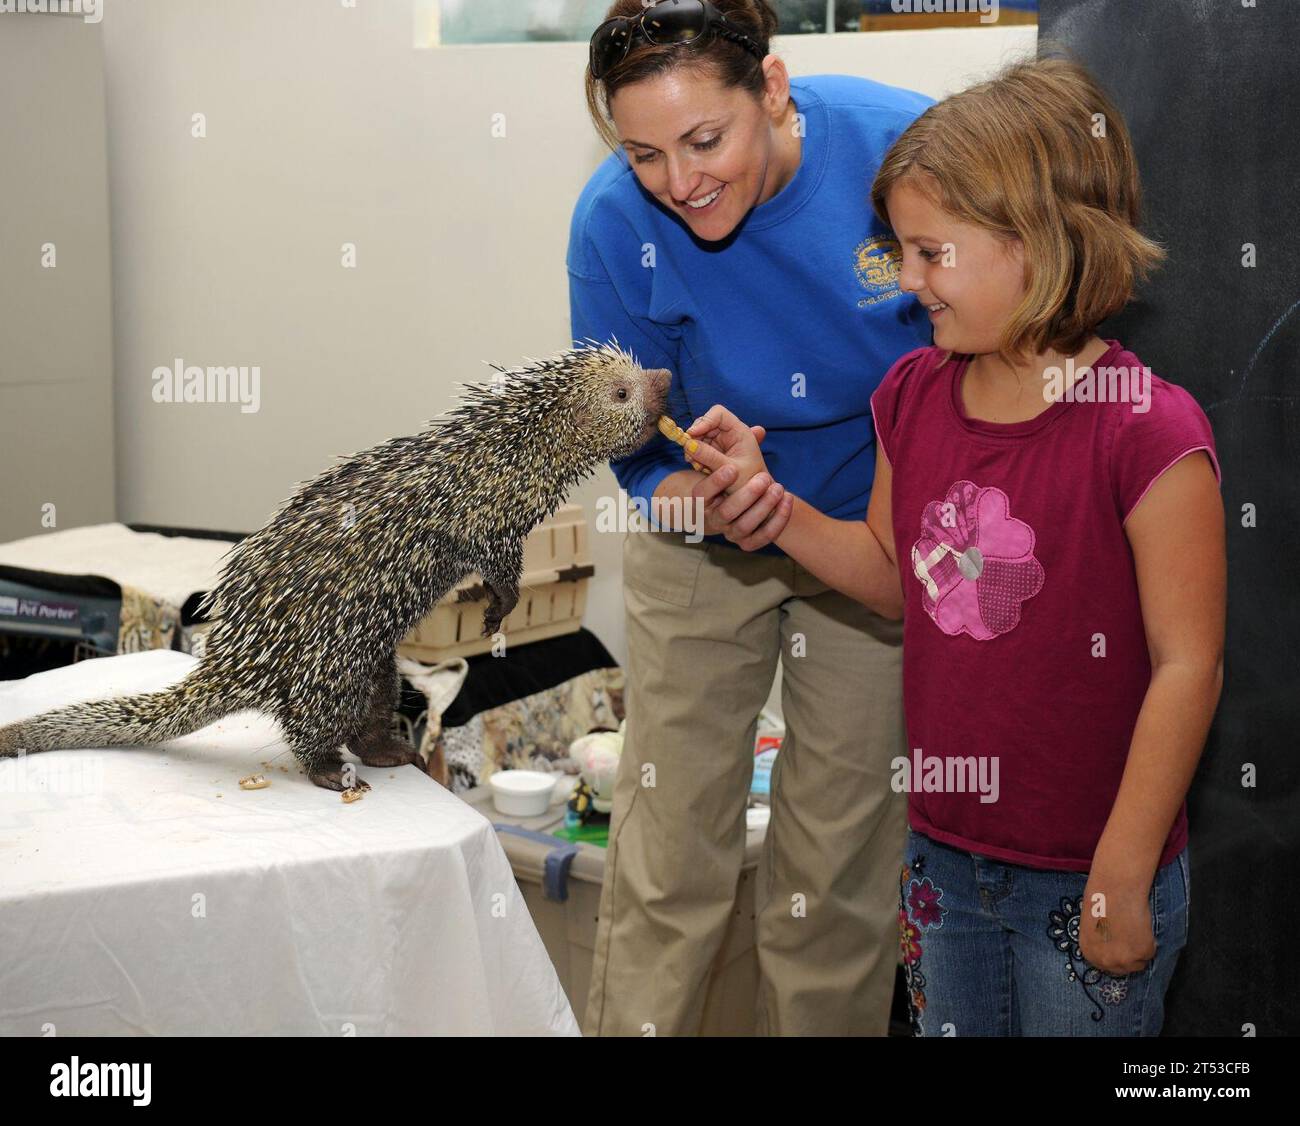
x=667, y=22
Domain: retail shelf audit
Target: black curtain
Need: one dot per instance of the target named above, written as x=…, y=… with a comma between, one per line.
x=1211, y=92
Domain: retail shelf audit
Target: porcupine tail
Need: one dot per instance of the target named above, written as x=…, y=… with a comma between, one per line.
x=125, y=721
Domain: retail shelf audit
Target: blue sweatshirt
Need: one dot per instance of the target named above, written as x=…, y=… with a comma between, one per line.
x=790, y=323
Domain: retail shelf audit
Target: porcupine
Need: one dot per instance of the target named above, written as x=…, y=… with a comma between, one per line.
x=309, y=610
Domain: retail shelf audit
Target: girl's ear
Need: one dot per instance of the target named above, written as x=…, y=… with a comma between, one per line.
x=1015, y=250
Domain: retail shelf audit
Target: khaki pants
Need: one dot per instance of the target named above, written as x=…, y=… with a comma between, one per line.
x=705, y=625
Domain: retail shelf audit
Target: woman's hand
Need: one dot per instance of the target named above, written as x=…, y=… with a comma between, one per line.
x=741, y=501
x=1124, y=942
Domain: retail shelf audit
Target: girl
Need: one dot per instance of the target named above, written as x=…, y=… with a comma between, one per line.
x=1052, y=511
x=729, y=238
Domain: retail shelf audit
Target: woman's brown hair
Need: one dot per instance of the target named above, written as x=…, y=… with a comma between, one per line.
x=728, y=62
x=1038, y=153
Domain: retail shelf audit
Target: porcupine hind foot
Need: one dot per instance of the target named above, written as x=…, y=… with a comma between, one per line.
x=316, y=747
x=375, y=744
x=330, y=772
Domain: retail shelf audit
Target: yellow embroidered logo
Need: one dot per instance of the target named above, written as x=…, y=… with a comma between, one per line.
x=877, y=261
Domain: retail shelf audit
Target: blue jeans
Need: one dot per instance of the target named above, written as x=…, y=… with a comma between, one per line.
x=991, y=949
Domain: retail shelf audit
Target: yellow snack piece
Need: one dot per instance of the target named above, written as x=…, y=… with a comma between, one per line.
x=674, y=433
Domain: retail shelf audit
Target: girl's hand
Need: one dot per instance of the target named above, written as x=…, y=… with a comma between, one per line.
x=741, y=501
x=1124, y=942
x=722, y=430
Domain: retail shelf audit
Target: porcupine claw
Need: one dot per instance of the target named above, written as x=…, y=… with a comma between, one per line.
x=333, y=780
x=501, y=601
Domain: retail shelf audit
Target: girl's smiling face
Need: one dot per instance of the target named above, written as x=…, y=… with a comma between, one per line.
x=970, y=279
x=707, y=152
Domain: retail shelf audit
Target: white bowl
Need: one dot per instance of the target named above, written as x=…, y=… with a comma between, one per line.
x=522, y=793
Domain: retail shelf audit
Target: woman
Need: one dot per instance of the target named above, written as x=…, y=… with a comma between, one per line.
x=730, y=238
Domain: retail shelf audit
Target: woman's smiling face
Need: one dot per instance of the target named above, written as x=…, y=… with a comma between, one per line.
x=970, y=279
x=707, y=152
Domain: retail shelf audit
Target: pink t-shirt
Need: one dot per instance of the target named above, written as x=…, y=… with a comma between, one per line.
x=1024, y=654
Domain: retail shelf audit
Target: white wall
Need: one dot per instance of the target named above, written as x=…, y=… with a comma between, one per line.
x=325, y=126
x=56, y=353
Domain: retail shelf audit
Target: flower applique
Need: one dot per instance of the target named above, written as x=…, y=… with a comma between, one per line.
x=975, y=562
x=1063, y=930
x=919, y=910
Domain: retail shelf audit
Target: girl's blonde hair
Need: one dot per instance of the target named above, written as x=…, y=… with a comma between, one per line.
x=1039, y=153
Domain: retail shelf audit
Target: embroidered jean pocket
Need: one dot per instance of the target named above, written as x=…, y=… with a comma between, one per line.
x=663, y=565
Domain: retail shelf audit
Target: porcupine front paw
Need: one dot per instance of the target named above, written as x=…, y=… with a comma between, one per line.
x=501, y=576
x=498, y=610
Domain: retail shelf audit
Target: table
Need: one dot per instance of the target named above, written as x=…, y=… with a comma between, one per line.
x=142, y=892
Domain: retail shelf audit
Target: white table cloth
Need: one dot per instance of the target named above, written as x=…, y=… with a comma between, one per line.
x=143, y=892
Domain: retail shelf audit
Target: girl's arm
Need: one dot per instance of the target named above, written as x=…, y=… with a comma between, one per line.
x=853, y=556
x=856, y=557
x=1177, y=536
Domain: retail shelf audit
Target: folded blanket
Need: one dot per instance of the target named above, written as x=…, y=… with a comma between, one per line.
x=157, y=574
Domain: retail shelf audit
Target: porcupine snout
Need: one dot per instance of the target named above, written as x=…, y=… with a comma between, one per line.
x=658, y=380
x=652, y=385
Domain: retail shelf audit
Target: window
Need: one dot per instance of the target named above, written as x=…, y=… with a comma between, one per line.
x=532, y=21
